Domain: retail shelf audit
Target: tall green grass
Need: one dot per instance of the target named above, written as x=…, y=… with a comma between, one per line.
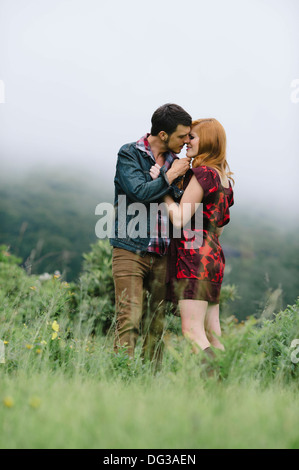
x=62, y=386
x=177, y=412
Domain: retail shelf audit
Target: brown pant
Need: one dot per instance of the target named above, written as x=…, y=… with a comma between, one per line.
x=140, y=301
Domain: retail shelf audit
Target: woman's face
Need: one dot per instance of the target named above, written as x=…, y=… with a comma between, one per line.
x=193, y=145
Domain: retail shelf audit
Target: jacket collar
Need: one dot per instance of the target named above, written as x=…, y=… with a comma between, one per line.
x=143, y=145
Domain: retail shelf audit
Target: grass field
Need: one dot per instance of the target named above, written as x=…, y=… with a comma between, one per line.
x=62, y=387
x=182, y=410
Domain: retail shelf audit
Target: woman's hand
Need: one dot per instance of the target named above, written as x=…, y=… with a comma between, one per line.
x=155, y=171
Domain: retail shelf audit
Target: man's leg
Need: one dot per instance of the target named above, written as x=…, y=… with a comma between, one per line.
x=153, y=322
x=129, y=270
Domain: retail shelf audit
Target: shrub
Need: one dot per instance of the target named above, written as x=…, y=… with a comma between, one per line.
x=260, y=349
x=93, y=300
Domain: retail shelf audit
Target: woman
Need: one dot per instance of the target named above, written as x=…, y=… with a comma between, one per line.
x=195, y=274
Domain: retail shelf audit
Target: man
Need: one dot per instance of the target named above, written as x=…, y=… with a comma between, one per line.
x=139, y=262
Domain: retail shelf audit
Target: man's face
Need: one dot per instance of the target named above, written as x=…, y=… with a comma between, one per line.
x=176, y=141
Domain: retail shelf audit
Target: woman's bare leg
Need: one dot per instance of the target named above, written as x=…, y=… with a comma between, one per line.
x=193, y=314
x=212, y=326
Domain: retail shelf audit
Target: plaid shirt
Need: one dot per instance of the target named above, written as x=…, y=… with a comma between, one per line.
x=159, y=244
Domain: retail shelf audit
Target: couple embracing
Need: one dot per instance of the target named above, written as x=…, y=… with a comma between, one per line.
x=152, y=270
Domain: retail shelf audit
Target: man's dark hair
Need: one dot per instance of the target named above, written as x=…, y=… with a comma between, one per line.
x=168, y=117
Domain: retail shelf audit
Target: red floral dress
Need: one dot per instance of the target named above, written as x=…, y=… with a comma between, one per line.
x=195, y=270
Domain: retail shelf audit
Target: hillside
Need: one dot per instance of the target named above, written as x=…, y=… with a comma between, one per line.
x=48, y=220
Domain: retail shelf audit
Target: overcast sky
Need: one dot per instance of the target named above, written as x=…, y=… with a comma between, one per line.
x=82, y=77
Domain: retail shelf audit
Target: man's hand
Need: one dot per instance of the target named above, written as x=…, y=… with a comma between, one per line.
x=155, y=171
x=178, y=168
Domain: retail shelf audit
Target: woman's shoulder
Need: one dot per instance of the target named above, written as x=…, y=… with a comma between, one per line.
x=207, y=177
x=206, y=172
x=211, y=173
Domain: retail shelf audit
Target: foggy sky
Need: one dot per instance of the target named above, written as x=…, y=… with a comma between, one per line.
x=82, y=77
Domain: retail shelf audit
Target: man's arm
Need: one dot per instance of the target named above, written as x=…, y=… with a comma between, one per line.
x=178, y=168
x=132, y=179
x=174, y=172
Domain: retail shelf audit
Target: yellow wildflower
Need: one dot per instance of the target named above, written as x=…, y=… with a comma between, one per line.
x=55, y=326
x=8, y=402
x=29, y=346
x=54, y=335
x=34, y=402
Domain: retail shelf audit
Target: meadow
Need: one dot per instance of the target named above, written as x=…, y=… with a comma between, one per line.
x=62, y=387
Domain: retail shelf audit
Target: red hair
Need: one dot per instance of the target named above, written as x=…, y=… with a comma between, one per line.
x=212, y=145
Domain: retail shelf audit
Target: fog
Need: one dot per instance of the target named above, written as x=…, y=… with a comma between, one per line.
x=81, y=77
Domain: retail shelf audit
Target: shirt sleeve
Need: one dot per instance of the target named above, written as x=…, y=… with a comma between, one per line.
x=231, y=199
x=208, y=179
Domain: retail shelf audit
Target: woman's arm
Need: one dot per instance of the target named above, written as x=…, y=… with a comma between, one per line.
x=180, y=214
x=219, y=231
